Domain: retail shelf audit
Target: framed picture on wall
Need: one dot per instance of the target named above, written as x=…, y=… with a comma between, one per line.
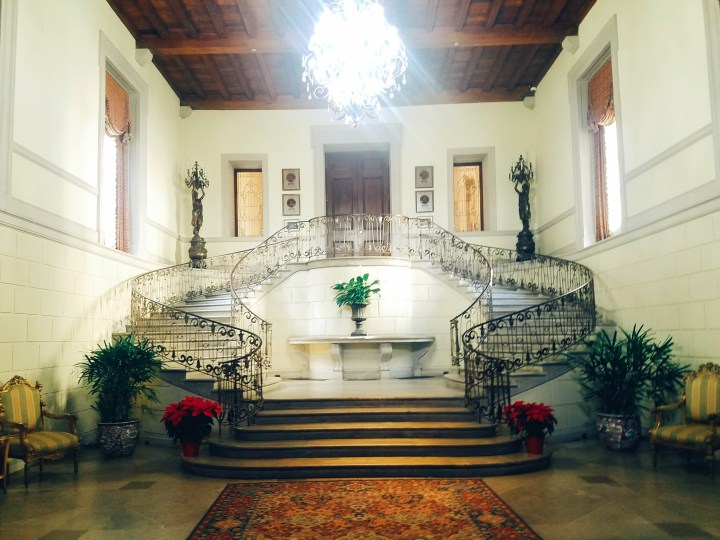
x=424, y=201
x=425, y=222
x=292, y=224
x=424, y=177
x=291, y=205
x=290, y=179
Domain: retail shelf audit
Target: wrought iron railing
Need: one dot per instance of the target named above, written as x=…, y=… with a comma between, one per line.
x=231, y=354
x=361, y=235
x=493, y=349
x=236, y=354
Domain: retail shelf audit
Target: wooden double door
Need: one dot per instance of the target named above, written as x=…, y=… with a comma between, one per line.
x=357, y=183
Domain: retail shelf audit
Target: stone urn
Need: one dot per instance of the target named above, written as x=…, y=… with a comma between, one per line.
x=358, y=315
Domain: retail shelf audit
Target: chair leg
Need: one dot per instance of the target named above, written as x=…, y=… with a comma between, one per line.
x=75, y=460
x=711, y=461
x=27, y=474
x=654, y=450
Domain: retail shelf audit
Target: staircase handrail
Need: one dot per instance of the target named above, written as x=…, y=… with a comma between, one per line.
x=494, y=349
x=377, y=235
x=231, y=355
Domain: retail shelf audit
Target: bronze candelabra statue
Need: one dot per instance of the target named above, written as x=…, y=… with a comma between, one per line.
x=197, y=180
x=521, y=174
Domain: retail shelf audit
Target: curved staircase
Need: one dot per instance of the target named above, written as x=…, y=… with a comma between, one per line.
x=521, y=316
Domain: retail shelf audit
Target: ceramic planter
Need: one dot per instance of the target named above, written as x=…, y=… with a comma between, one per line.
x=118, y=439
x=618, y=431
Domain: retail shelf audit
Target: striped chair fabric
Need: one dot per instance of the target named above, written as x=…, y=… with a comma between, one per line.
x=702, y=397
x=22, y=406
x=49, y=442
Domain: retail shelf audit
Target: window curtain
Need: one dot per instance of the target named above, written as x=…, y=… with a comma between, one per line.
x=601, y=113
x=117, y=126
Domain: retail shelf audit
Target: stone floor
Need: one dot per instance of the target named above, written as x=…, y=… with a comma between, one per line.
x=586, y=493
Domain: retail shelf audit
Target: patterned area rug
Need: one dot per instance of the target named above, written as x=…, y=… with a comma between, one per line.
x=361, y=509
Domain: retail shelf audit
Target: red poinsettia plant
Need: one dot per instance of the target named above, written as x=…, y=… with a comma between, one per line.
x=191, y=419
x=529, y=418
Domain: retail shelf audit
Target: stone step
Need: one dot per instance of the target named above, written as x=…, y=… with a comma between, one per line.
x=363, y=414
x=436, y=446
x=365, y=467
x=374, y=430
x=333, y=403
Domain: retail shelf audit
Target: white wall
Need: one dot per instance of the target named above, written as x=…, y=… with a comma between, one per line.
x=61, y=292
x=411, y=301
x=663, y=269
x=425, y=135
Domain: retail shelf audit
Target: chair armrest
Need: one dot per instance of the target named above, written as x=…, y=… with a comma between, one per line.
x=71, y=418
x=661, y=409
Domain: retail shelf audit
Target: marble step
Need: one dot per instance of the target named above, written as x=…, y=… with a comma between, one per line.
x=375, y=430
x=369, y=466
x=363, y=414
x=428, y=446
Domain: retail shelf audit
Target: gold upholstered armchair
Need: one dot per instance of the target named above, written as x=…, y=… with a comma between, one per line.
x=700, y=407
x=22, y=416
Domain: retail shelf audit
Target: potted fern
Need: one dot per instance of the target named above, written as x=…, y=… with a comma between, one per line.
x=621, y=373
x=117, y=374
x=356, y=294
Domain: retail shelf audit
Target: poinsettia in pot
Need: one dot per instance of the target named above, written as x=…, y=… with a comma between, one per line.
x=190, y=421
x=531, y=420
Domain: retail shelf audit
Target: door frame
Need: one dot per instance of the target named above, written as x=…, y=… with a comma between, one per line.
x=385, y=137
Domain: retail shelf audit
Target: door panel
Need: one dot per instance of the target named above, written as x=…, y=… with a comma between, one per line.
x=356, y=183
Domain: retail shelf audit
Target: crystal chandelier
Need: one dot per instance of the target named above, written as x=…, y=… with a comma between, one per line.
x=354, y=57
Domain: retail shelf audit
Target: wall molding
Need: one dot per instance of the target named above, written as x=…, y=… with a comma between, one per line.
x=555, y=221
x=8, y=38
x=27, y=226
x=670, y=152
x=162, y=229
x=54, y=169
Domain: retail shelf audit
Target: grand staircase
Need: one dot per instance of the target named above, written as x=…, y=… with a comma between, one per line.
x=520, y=318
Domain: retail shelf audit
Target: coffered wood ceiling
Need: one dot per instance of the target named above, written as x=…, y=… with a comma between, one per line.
x=247, y=54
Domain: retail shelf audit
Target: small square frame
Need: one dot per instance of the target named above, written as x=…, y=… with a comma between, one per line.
x=424, y=201
x=291, y=179
x=424, y=177
x=425, y=222
x=292, y=224
x=291, y=204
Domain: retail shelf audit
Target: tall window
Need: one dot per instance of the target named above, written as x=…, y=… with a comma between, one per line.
x=606, y=170
x=248, y=202
x=468, y=197
x=115, y=211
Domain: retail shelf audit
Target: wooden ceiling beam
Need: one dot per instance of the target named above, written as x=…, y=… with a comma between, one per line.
x=212, y=68
x=181, y=13
x=492, y=16
x=240, y=74
x=461, y=14
x=446, y=69
x=430, y=15
x=553, y=12
x=285, y=102
x=216, y=17
x=155, y=21
x=500, y=35
x=279, y=17
x=525, y=11
x=496, y=68
x=190, y=77
x=470, y=69
x=247, y=18
x=265, y=70
x=522, y=67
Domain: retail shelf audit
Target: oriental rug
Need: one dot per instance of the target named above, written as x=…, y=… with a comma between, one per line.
x=361, y=509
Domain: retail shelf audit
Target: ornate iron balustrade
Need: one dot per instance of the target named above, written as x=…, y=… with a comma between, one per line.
x=361, y=235
x=231, y=356
x=492, y=350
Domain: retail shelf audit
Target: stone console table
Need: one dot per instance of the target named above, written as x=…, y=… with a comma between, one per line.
x=379, y=356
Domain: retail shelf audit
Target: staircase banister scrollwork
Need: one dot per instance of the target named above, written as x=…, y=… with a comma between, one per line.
x=236, y=353
x=231, y=356
x=494, y=349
